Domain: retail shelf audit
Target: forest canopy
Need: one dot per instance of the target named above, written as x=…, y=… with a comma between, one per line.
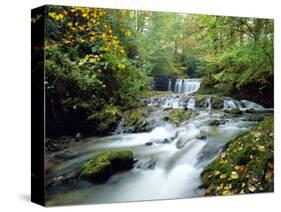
x=99, y=61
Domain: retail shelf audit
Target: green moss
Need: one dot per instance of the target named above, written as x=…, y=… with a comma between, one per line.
x=178, y=115
x=147, y=94
x=103, y=165
x=217, y=102
x=234, y=111
x=102, y=122
x=200, y=99
x=245, y=165
x=137, y=116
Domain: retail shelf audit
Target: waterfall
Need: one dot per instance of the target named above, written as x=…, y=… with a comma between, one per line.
x=170, y=85
x=187, y=85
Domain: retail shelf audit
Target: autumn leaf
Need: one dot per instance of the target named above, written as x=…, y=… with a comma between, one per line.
x=251, y=188
x=220, y=187
x=234, y=175
x=223, y=176
x=217, y=173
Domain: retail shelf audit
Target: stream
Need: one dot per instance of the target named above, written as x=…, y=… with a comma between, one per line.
x=169, y=159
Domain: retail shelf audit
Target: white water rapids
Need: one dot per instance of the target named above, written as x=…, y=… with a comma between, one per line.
x=169, y=167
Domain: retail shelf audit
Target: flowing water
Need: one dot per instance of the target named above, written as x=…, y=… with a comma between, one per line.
x=169, y=159
x=185, y=85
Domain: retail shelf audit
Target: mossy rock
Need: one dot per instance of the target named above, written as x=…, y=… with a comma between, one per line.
x=104, y=165
x=217, y=102
x=234, y=111
x=178, y=115
x=200, y=100
x=137, y=120
x=102, y=122
x=245, y=165
x=148, y=94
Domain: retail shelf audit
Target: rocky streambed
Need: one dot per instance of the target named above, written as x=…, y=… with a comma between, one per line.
x=168, y=144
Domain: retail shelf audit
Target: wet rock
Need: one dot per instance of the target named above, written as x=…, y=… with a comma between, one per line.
x=215, y=122
x=102, y=166
x=166, y=141
x=166, y=118
x=146, y=163
x=250, y=111
x=201, y=137
x=78, y=136
x=58, y=144
x=200, y=100
x=148, y=144
x=217, y=102
x=168, y=108
x=138, y=120
x=178, y=115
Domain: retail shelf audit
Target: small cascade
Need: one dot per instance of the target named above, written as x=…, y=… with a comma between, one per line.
x=187, y=85
x=170, y=85
x=208, y=103
x=245, y=104
x=230, y=104
x=191, y=103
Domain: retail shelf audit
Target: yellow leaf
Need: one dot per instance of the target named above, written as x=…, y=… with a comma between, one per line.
x=220, y=187
x=234, y=175
x=217, y=173
x=223, y=176
x=251, y=188
x=226, y=192
x=121, y=66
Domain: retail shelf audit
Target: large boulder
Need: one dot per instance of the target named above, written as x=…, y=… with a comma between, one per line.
x=137, y=120
x=104, y=165
x=102, y=122
x=217, y=102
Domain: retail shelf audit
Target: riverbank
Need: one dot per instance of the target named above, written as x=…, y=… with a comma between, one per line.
x=245, y=165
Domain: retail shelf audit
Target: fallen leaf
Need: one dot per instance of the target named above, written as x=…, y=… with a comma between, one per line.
x=257, y=134
x=251, y=188
x=270, y=165
x=234, y=175
x=220, y=187
x=223, y=176
x=217, y=173
x=209, y=189
x=236, y=167
x=223, y=155
x=261, y=148
x=268, y=176
x=226, y=192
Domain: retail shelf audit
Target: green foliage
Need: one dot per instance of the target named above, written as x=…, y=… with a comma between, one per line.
x=236, y=54
x=86, y=61
x=106, y=58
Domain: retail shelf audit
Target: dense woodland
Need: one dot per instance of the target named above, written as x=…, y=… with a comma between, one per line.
x=101, y=70
x=99, y=61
